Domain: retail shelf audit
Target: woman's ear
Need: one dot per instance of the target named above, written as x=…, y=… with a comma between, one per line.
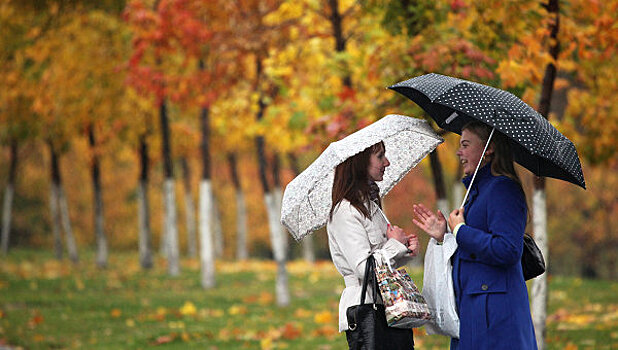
x=489, y=152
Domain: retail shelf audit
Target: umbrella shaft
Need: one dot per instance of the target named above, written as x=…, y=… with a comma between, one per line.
x=477, y=169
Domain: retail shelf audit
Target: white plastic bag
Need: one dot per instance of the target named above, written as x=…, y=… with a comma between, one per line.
x=438, y=287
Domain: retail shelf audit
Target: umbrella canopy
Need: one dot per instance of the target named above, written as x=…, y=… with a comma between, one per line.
x=307, y=199
x=536, y=144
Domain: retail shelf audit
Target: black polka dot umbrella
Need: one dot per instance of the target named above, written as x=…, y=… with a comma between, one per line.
x=537, y=145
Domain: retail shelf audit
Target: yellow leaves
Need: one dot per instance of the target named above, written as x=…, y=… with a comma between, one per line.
x=237, y=310
x=301, y=313
x=323, y=317
x=188, y=309
x=264, y=298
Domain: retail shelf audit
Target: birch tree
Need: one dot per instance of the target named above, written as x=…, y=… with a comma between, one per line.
x=539, y=204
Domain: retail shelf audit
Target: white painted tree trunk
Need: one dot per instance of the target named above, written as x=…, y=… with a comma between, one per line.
x=539, y=284
x=102, y=254
x=145, y=246
x=308, y=249
x=66, y=225
x=442, y=204
x=216, y=227
x=163, y=238
x=459, y=191
x=278, y=196
x=190, y=217
x=171, y=229
x=278, y=242
x=242, y=251
x=55, y=220
x=6, y=217
x=207, y=252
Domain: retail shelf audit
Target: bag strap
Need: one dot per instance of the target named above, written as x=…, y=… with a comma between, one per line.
x=369, y=275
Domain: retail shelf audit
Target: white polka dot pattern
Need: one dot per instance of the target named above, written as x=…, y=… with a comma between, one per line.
x=537, y=145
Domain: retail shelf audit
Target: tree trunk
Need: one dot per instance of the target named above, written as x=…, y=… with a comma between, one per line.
x=145, y=237
x=170, y=231
x=8, y=199
x=207, y=252
x=438, y=182
x=336, y=21
x=307, y=242
x=55, y=218
x=66, y=225
x=216, y=228
x=539, y=285
x=101, y=258
x=60, y=211
x=272, y=209
x=459, y=189
x=53, y=201
x=278, y=197
x=189, y=210
x=242, y=252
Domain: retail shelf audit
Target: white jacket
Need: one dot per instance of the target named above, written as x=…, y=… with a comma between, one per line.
x=351, y=239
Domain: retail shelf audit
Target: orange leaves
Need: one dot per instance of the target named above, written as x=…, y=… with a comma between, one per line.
x=115, y=313
x=323, y=317
x=35, y=320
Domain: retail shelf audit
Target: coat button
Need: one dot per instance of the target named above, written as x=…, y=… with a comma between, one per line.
x=473, y=256
x=484, y=287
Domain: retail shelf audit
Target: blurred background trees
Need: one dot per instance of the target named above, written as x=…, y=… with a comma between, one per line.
x=103, y=104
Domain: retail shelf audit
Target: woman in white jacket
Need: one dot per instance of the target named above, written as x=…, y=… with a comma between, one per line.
x=357, y=228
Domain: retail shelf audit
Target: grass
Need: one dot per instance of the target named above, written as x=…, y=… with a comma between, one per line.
x=50, y=304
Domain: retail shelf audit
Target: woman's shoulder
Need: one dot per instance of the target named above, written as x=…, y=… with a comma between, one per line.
x=504, y=185
x=345, y=207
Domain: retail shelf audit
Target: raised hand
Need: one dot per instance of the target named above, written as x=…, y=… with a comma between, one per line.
x=434, y=224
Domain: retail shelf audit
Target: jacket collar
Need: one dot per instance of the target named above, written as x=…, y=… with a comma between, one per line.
x=482, y=176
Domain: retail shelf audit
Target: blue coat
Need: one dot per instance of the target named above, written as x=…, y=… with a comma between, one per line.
x=490, y=290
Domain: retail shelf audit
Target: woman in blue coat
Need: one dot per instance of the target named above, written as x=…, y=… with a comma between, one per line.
x=490, y=291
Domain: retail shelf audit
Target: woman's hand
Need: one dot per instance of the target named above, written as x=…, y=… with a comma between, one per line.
x=397, y=233
x=433, y=224
x=456, y=217
x=413, y=245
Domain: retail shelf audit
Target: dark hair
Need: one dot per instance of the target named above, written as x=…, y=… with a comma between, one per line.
x=352, y=180
x=502, y=157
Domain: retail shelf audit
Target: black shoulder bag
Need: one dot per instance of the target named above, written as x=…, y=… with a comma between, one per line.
x=532, y=262
x=367, y=325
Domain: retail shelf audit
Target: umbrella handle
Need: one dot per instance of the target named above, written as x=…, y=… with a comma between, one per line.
x=477, y=169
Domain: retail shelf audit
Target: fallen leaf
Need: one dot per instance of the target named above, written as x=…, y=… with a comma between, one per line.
x=188, y=309
x=323, y=317
x=116, y=313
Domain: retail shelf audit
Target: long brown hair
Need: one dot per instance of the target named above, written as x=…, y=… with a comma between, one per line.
x=352, y=180
x=502, y=157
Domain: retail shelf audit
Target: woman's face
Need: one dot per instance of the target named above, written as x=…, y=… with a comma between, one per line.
x=470, y=151
x=377, y=165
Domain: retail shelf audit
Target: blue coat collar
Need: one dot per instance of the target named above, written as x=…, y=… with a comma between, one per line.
x=483, y=175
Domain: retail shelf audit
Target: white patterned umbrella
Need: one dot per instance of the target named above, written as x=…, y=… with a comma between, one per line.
x=307, y=199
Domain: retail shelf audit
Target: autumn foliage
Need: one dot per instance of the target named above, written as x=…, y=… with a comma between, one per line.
x=322, y=72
